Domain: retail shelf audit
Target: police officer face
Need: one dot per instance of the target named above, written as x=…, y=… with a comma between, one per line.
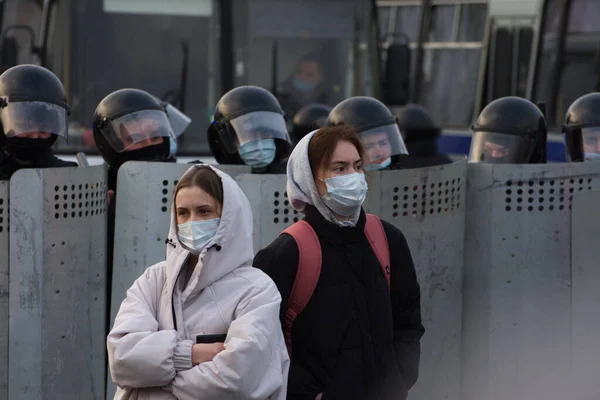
x=344, y=161
x=139, y=134
x=494, y=150
x=377, y=146
x=35, y=135
x=591, y=143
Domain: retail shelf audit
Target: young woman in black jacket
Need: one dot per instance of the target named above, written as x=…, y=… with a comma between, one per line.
x=357, y=338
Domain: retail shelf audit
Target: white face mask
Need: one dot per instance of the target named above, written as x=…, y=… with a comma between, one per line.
x=196, y=235
x=380, y=166
x=345, y=193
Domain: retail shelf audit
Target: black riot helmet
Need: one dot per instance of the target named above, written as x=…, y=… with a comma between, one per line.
x=582, y=128
x=310, y=117
x=509, y=130
x=33, y=111
x=416, y=124
x=249, y=128
x=378, y=129
x=132, y=125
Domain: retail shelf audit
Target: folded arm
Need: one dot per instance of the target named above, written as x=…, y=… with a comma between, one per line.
x=250, y=367
x=140, y=355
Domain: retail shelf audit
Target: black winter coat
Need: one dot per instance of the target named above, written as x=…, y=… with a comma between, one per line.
x=356, y=339
x=8, y=166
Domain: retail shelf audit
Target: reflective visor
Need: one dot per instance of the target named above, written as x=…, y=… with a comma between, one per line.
x=382, y=142
x=259, y=125
x=499, y=148
x=34, y=120
x=138, y=130
x=591, y=142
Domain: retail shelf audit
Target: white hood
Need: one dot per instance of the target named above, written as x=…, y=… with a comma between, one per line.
x=231, y=248
x=301, y=188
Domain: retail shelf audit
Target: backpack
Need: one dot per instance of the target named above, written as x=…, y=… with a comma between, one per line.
x=309, y=266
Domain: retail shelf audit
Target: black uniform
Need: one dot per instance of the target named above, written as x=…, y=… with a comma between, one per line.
x=249, y=128
x=357, y=343
x=34, y=114
x=420, y=134
x=129, y=125
x=9, y=165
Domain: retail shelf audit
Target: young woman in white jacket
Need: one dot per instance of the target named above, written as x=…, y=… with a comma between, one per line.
x=206, y=286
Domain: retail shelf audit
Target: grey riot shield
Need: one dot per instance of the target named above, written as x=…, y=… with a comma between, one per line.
x=585, y=259
x=270, y=206
x=428, y=206
x=144, y=195
x=57, y=283
x=4, y=290
x=517, y=325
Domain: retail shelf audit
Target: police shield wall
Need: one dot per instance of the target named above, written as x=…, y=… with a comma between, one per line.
x=270, y=206
x=585, y=255
x=144, y=196
x=4, y=290
x=517, y=327
x=57, y=283
x=428, y=206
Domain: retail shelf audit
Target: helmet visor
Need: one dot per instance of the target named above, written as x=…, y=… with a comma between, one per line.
x=591, y=142
x=34, y=120
x=179, y=121
x=499, y=148
x=259, y=125
x=138, y=130
x=381, y=143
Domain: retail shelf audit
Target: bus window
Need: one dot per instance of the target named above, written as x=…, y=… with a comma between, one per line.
x=579, y=67
x=306, y=51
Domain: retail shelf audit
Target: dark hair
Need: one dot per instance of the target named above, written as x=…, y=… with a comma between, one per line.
x=206, y=179
x=325, y=140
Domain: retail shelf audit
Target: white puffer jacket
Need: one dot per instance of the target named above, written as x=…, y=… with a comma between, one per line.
x=150, y=344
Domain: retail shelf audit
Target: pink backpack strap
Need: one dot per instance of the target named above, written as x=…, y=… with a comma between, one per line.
x=379, y=243
x=307, y=277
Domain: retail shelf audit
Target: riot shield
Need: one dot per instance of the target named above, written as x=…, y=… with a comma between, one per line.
x=517, y=333
x=270, y=206
x=144, y=195
x=585, y=259
x=4, y=290
x=57, y=283
x=428, y=206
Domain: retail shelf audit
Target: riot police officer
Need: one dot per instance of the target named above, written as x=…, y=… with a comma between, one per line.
x=249, y=128
x=582, y=128
x=33, y=114
x=310, y=117
x=421, y=134
x=378, y=130
x=132, y=125
x=509, y=130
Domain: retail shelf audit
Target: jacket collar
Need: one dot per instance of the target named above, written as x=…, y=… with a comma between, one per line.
x=333, y=233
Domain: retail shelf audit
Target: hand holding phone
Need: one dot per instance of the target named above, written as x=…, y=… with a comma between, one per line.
x=204, y=352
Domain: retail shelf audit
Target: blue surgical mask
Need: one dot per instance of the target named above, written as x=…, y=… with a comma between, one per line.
x=380, y=166
x=196, y=235
x=303, y=86
x=345, y=193
x=172, y=147
x=258, y=153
